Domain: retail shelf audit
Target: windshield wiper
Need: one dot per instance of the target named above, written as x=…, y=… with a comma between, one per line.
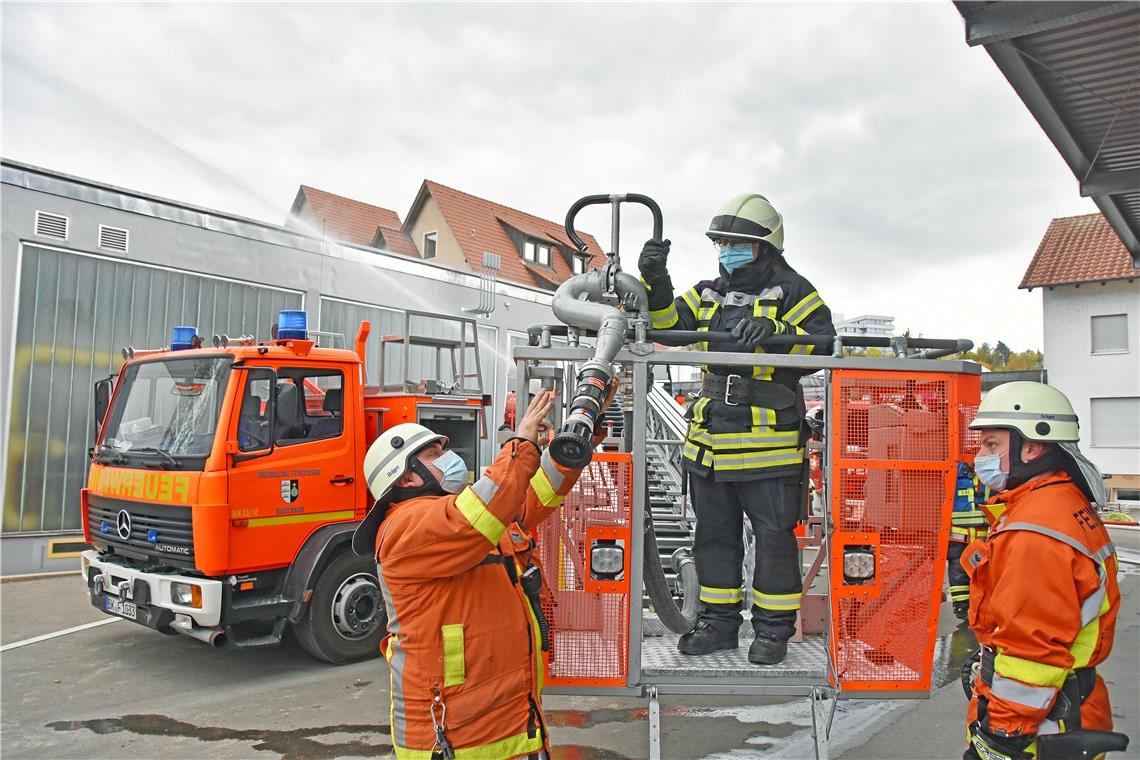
x=105, y=454
x=170, y=460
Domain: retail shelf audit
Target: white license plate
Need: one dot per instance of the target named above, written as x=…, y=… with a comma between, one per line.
x=122, y=607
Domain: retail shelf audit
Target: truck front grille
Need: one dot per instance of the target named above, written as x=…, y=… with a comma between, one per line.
x=161, y=532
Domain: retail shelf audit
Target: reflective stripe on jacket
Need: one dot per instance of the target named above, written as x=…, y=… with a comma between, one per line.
x=740, y=442
x=1043, y=595
x=460, y=629
x=968, y=521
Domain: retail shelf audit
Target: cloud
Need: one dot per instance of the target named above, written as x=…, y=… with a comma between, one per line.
x=912, y=180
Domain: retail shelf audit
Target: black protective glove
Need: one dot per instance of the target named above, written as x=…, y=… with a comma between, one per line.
x=752, y=331
x=653, y=260
x=990, y=746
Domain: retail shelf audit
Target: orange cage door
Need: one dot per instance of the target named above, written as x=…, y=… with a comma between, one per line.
x=895, y=440
x=589, y=616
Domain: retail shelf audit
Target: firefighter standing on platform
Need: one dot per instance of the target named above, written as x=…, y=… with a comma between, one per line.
x=967, y=522
x=744, y=450
x=1043, y=590
x=465, y=628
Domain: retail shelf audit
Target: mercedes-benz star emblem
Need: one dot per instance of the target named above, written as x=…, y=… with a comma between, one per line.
x=123, y=524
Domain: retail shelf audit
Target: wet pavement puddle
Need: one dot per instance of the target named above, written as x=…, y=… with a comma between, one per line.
x=295, y=744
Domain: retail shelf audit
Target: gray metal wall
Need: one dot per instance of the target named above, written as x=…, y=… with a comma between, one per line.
x=68, y=307
x=74, y=313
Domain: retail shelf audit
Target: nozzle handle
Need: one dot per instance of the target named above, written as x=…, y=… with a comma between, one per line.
x=616, y=200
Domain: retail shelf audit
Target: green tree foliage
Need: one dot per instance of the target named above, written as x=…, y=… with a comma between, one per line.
x=1001, y=357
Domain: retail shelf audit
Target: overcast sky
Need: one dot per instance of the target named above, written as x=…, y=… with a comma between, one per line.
x=912, y=180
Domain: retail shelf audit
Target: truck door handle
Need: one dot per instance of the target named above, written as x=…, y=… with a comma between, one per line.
x=341, y=481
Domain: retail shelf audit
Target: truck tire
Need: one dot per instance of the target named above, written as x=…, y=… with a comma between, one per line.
x=345, y=618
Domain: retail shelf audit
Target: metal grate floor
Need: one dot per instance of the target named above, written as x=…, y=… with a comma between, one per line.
x=660, y=658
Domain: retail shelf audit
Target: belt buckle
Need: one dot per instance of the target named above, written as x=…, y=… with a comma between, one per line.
x=728, y=389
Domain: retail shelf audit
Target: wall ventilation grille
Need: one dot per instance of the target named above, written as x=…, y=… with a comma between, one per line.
x=51, y=225
x=113, y=238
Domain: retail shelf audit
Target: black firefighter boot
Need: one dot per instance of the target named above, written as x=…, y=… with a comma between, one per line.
x=767, y=649
x=707, y=638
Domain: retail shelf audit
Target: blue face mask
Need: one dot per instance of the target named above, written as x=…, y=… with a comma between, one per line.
x=988, y=469
x=454, y=471
x=735, y=256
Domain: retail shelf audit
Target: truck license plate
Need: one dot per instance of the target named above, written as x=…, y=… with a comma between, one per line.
x=122, y=607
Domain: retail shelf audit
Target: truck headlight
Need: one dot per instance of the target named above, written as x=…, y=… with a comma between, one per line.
x=858, y=564
x=607, y=560
x=186, y=595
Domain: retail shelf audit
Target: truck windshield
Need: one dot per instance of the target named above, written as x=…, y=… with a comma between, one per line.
x=166, y=413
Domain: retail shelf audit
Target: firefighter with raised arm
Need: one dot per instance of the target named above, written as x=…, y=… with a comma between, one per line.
x=1043, y=590
x=744, y=450
x=466, y=631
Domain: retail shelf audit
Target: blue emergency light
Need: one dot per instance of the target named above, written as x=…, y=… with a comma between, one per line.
x=105, y=527
x=183, y=338
x=292, y=324
x=152, y=536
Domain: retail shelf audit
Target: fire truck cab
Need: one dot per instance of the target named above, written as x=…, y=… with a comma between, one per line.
x=225, y=485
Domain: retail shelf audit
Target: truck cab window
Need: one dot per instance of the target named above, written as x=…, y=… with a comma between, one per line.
x=255, y=420
x=309, y=405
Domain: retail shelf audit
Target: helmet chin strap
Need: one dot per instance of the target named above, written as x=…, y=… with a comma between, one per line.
x=430, y=487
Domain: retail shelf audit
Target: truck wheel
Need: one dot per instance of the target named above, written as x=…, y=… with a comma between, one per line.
x=346, y=617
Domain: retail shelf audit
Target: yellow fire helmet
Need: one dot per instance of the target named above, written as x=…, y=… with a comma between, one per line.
x=749, y=216
x=1040, y=412
x=385, y=463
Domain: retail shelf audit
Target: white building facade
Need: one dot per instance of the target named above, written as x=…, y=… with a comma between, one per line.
x=1091, y=314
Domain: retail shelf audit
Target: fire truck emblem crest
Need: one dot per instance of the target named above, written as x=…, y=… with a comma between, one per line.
x=290, y=490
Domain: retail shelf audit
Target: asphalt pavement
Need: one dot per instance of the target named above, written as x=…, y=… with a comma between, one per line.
x=119, y=690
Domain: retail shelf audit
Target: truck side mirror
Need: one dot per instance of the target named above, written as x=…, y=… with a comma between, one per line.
x=103, y=390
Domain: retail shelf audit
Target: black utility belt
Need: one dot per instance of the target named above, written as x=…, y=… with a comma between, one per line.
x=738, y=390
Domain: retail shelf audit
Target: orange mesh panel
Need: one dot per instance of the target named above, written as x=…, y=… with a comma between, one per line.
x=894, y=461
x=589, y=629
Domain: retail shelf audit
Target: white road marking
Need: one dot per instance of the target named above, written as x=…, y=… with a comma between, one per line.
x=56, y=634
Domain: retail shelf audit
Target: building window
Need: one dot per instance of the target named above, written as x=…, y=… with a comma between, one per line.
x=429, y=245
x=578, y=264
x=539, y=253
x=1110, y=334
x=1116, y=422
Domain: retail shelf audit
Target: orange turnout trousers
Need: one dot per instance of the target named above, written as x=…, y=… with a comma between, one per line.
x=463, y=643
x=1043, y=604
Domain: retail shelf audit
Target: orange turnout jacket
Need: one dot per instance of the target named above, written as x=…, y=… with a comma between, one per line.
x=463, y=642
x=1044, y=599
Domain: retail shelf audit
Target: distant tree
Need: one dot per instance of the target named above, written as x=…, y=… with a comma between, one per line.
x=1002, y=357
x=1026, y=360
x=1002, y=352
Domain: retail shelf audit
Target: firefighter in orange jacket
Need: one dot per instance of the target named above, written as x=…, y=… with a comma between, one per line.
x=1043, y=592
x=465, y=630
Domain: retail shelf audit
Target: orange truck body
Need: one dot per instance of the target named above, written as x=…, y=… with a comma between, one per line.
x=258, y=532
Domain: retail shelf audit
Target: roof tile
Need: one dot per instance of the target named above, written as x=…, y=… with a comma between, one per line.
x=357, y=222
x=1079, y=249
x=478, y=225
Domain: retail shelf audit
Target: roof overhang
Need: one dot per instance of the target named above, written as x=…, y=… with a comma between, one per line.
x=1076, y=66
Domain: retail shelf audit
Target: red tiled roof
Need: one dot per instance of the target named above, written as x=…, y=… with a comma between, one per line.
x=1079, y=249
x=480, y=225
x=356, y=222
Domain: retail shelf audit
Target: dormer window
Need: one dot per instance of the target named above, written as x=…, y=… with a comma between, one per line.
x=429, y=245
x=578, y=264
x=539, y=253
